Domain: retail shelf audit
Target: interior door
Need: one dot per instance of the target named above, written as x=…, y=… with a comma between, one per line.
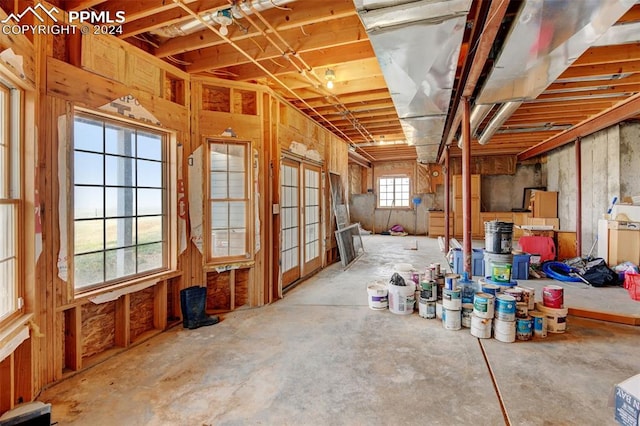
x=311, y=236
x=289, y=220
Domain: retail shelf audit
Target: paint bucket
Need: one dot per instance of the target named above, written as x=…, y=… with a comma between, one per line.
x=430, y=274
x=439, y=310
x=451, y=320
x=436, y=268
x=524, y=328
x=516, y=293
x=422, y=307
x=491, y=289
x=405, y=270
x=522, y=310
x=529, y=297
x=451, y=281
x=481, y=327
x=556, y=318
x=402, y=298
x=378, y=295
x=483, y=305
x=539, y=324
x=429, y=290
x=431, y=309
x=467, y=311
x=505, y=307
x=504, y=331
x=498, y=236
x=553, y=296
x=490, y=258
x=501, y=272
x=451, y=299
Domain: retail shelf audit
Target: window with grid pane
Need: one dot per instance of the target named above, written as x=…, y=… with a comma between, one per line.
x=393, y=191
x=119, y=201
x=10, y=109
x=228, y=200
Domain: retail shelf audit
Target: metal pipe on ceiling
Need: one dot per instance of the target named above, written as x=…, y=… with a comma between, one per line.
x=498, y=120
x=478, y=114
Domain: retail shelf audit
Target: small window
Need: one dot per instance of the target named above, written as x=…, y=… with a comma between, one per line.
x=10, y=199
x=394, y=191
x=120, y=204
x=228, y=200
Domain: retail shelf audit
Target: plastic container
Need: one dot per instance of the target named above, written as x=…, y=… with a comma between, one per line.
x=520, y=267
x=498, y=236
x=542, y=246
x=556, y=318
x=477, y=265
x=402, y=298
x=495, y=258
x=632, y=284
x=468, y=288
x=378, y=296
x=501, y=272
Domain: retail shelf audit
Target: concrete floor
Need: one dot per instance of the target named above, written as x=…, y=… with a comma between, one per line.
x=320, y=356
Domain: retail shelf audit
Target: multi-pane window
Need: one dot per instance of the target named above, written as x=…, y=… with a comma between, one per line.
x=228, y=199
x=10, y=108
x=394, y=191
x=119, y=201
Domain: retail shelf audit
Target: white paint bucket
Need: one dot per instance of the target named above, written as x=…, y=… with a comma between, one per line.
x=402, y=298
x=439, y=309
x=524, y=328
x=451, y=320
x=556, y=318
x=505, y=308
x=378, y=295
x=481, y=327
x=522, y=310
x=483, y=305
x=504, y=331
x=467, y=311
x=426, y=308
x=539, y=324
x=452, y=299
x=529, y=296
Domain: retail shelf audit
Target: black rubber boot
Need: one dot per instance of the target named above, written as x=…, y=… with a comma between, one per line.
x=192, y=302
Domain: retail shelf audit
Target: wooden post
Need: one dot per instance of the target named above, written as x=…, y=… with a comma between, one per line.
x=466, y=185
x=578, y=197
x=447, y=200
x=123, y=327
x=73, y=338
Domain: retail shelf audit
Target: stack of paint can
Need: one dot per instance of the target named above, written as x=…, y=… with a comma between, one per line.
x=428, y=297
x=482, y=316
x=504, y=326
x=552, y=307
x=434, y=273
x=452, y=303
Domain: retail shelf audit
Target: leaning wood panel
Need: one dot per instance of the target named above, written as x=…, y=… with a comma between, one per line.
x=98, y=328
x=218, y=291
x=142, y=309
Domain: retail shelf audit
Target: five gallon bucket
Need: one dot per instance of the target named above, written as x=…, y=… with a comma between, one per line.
x=501, y=272
x=490, y=258
x=498, y=236
x=378, y=296
x=402, y=298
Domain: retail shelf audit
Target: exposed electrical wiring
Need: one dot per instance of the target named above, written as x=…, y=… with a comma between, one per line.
x=256, y=43
x=177, y=61
x=142, y=37
x=303, y=31
x=280, y=7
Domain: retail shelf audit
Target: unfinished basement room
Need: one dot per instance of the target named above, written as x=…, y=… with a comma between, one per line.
x=320, y=212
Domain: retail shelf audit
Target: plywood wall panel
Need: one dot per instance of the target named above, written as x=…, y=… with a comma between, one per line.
x=142, y=309
x=98, y=328
x=218, y=291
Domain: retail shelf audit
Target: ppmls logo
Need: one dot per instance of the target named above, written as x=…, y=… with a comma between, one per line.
x=90, y=22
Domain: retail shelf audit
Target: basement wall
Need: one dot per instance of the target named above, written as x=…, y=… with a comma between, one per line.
x=501, y=193
x=608, y=170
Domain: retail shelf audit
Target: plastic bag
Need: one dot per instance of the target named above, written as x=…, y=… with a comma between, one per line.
x=396, y=279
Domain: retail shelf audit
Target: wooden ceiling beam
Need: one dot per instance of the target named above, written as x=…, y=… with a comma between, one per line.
x=352, y=99
x=340, y=32
x=603, y=69
x=346, y=87
x=315, y=13
x=70, y=5
x=610, y=117
x=141, y=8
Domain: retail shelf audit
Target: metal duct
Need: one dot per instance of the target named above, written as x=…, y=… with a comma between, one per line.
x=620, y=34
x=420, y=83
x=478, y=114
x=189, y=27
x=546, y=38
x=501, y=116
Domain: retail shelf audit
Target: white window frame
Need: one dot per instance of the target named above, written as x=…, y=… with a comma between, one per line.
x=11, y=194
x=397, y=183
x=169, y=205
x=210, y=239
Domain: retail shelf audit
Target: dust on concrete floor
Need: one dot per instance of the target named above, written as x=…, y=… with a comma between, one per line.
x=321, y=356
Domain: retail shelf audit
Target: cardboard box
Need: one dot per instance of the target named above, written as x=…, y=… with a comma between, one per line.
x=616, y=224
x=626, y=400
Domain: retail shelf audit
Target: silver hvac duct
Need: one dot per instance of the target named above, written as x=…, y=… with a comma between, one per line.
x=417, y=44
x=498, y=120
x=478, y=114
x=620, y=34
x=189, y=27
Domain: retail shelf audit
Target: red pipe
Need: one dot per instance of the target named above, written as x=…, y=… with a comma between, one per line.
x=466, y=184
x=578, y=197
x=447, y=200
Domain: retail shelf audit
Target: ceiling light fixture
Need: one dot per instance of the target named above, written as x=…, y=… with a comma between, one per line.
x=223, y=17
x=330, y=76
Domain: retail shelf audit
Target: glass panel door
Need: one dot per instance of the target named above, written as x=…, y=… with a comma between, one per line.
x=311, y=217
x=289, y=220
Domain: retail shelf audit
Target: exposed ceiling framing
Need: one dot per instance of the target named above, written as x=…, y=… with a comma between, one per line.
x=289, y=45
